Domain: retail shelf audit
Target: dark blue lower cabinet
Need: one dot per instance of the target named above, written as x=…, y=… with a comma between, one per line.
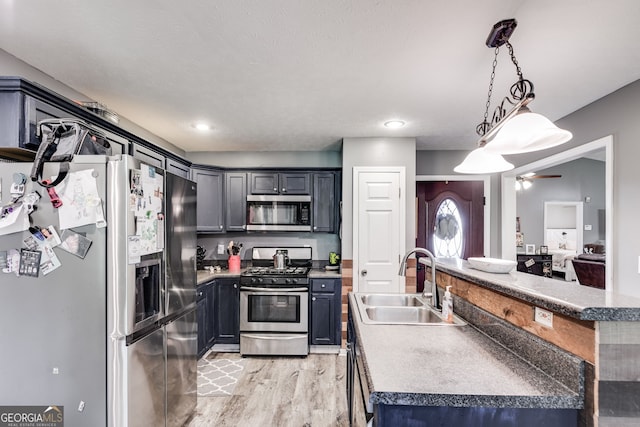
x=227, y=311
x=325, y=311
x=445, y=416
x=205, y=316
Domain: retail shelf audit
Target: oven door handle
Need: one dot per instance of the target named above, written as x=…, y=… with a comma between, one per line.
x=272, y=290
x=275, y=337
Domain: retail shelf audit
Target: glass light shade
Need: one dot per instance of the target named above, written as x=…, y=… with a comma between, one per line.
x=526, y=184
x=481, y=161
x=526, y=132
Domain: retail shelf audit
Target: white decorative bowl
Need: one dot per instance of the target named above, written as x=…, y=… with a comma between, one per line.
x=492, y=265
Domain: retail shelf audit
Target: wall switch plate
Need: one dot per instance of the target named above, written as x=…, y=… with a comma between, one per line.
x=587, y=227
x=220, y=249
x=543, y=317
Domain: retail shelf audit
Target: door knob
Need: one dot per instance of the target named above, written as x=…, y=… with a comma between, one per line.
x=363, y=273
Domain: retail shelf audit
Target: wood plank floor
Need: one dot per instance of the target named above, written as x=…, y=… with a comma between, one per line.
x=280, y=391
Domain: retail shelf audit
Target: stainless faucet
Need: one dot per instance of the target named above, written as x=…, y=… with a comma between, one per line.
x=433, y=295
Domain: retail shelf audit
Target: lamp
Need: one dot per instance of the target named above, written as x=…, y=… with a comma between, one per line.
x=517, y=130
x=482, y=161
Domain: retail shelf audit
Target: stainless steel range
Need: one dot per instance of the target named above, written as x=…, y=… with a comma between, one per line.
x=274, y=303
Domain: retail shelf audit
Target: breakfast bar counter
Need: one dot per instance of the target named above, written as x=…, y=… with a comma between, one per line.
x=567, y=298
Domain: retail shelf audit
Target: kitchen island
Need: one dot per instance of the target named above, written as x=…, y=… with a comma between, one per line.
x=453, y=375
x=600, y=327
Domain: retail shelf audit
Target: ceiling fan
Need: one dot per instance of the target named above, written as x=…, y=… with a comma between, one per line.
x=524, y=181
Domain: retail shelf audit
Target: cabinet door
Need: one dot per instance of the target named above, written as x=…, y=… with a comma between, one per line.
x=201, y=314
x=236, y=201
x=119, y=145
x=322, y=319
x=210, y=330
x=177, y=168
x=147, y=155
x=294, y=183
x=324, y=202
x=209, y=200
x=325, y=312
x=228, y=311
x=263, y=183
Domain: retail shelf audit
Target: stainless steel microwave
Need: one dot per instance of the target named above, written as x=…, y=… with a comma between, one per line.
x=278, y=213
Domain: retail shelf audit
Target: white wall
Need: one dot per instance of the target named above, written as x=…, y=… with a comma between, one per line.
x=377, y=152
x=12, y=66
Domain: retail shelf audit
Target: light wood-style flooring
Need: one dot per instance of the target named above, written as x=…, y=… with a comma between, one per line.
x=280, y=391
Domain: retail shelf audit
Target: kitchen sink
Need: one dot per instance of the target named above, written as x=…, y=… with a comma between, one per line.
x=402, y=315
x=392, y=300
x=399, y=309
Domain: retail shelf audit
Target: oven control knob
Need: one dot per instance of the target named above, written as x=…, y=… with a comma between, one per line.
x=274, y=280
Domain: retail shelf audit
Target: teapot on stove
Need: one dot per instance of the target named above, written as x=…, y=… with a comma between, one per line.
x=281, y=259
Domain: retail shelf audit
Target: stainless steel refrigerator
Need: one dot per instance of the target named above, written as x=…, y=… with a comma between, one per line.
x=102, y=321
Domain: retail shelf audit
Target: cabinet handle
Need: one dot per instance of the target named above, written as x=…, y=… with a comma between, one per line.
x=220, y=226
x=275, y=189
x=323, y=286
x=235, y=286
x=284, y=190
x=313, y=298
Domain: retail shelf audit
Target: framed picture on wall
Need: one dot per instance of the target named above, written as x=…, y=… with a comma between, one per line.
x=519, y=239
x=544, y=250
x=530, y=249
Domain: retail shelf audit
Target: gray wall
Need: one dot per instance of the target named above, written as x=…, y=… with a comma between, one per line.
x=377, y=152
x=320, y=243
x=12, y=66
x=615, y=114
x=237, y=159
x=580, y=178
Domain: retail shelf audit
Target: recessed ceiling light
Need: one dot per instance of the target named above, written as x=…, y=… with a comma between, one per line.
x=201, y=126
x=394, y=124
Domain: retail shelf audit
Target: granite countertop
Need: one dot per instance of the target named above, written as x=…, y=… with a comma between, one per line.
x=203, y=276
x=451, y=366
x=321, y=273
x=568, y=298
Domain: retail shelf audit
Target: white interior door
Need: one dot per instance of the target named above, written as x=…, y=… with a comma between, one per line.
x=379, y=228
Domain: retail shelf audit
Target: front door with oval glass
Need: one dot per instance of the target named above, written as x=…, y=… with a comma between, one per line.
x=450, y=219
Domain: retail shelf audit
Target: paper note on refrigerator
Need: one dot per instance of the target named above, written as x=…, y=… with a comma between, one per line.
x=13, y=218
x=81, y=203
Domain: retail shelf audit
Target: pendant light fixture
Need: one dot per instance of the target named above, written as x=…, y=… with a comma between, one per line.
x=510, y=132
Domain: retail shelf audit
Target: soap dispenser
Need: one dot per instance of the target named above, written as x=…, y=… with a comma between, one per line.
x=447, y=306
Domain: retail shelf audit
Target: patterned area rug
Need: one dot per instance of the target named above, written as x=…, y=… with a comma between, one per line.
x=218, y=377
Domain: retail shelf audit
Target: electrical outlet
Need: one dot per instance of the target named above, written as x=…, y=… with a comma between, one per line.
x=543, y=317
x=55, y=371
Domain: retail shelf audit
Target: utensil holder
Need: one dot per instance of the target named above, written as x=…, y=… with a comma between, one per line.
x=234, y=262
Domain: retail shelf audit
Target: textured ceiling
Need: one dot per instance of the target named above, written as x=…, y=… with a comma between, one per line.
x=300, y=75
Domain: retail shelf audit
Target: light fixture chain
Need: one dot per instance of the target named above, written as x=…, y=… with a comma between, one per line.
x=515, y=61
x=523, y=87
x=484, y=127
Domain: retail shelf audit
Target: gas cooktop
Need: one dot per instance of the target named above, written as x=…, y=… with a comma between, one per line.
x=270, y=271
